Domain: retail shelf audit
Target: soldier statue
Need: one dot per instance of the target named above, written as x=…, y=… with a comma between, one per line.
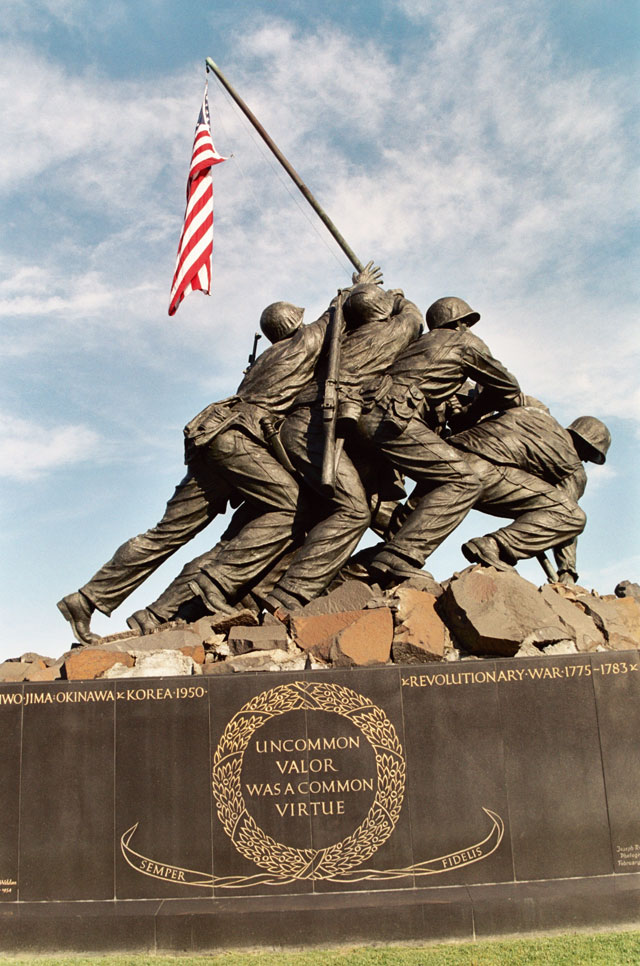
x=228, y=459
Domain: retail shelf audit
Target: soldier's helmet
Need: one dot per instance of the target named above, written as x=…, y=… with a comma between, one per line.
x=367, y=303
x=280, y=319
x=450, y=309
x=595, y=434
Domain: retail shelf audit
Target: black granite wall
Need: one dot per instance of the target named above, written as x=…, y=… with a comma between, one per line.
x=391, y=779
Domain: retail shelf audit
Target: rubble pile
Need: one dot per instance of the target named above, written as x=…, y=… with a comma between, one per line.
x=478, y=613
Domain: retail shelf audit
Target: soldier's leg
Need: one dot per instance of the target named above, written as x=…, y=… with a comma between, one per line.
x=275, y=515
x=448, y=488
x=166, y=606
x=343, y=519
x=239, y=564
x=543, y=515
x=197, y=499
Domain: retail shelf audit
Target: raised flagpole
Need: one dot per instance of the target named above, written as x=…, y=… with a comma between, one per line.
x=293, y=174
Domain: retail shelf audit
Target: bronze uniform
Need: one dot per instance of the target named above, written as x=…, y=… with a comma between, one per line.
x=400, y=426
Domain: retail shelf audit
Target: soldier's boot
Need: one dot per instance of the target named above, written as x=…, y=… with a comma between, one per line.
x=485, y=551
x=77, y=609
x=208, y=591
x=357, y=566
x=281, y=603
x=144, y=621
x=567, y=577
x=389, y=570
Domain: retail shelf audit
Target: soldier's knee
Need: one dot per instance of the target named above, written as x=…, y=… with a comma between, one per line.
x=579, y=519
x=467, y=479
x=355, y=513
x=572, y=518
x=359, y=514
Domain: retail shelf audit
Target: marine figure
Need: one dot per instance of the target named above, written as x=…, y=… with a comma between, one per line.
x=228, y=460
x=379, y=325
x=402, y=419
x=531, y=470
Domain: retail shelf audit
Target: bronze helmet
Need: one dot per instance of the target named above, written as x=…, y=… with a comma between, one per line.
x=450, y=309
x=367, y=303
x=594, y=433
x=280, y=319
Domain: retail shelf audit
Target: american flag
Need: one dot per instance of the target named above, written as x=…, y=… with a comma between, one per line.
x=193, y=264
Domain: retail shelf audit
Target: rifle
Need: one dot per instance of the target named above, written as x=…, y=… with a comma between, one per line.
x=252, y=354
x=330, y=400
x=548, y=568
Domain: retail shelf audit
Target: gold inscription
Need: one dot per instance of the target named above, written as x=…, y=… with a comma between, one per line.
x=311, y=784
x=56, y=697
x=279, y=863
x=7, y=886
x=617, y=667
x=308, y=744
x=96, y=696
x=385, y=788
x=628, y=855
x=301, y=767
x=162, y=694
x=543, y=673
x=161, y=871
x=310, y=808
x=461, y=858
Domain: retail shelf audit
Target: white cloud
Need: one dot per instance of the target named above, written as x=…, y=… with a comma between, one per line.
x=36, y=291
x=39, y=291
x=29, y=449
x=102, y=141
x=21, y=17
x=600, y=476
x=485, y=167
x=343, y=92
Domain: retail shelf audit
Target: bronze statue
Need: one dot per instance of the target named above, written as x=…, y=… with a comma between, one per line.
x=222, y=578
x=379, y=324
x=312, y=447
x=403, y=415
x=395, y=404
x=531, y=470
x=227, y=458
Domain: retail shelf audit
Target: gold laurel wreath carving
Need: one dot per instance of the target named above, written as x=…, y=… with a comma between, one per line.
x=250, y=840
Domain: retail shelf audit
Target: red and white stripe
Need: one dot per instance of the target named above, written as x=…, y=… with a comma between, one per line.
x=193, y=264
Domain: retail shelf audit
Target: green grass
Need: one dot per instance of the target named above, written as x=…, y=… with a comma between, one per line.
x=601, y=949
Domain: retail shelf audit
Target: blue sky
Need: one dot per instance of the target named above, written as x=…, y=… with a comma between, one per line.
x=482, y=149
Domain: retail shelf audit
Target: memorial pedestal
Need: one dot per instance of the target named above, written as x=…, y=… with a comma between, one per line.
x=426, y=802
